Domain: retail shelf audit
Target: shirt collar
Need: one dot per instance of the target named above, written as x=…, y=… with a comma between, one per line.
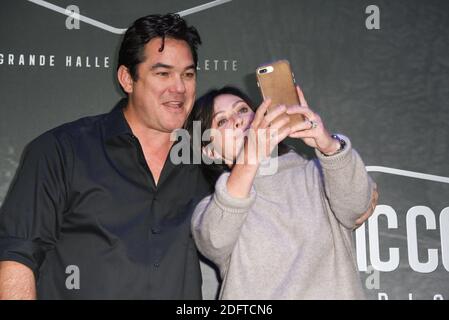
x=114, y=123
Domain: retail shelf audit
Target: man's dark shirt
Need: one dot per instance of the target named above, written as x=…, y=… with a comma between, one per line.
x=84, y=199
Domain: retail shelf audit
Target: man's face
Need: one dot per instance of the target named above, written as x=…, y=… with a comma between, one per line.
x=164, y=92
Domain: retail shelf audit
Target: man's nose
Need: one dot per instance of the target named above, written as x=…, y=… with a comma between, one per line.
x=178, y=85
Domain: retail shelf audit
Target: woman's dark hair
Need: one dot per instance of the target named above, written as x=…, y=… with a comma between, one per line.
x=154, y=26
x=203, y=111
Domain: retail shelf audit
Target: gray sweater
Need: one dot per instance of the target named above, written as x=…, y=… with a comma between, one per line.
x=292, y=237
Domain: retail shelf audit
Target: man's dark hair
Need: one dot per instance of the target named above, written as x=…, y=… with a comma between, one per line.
x=154, y=26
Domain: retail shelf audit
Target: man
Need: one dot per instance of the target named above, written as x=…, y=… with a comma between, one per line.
x=97, y=209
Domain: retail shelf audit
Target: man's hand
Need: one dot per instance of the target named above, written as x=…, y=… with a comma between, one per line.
x=16, y=281
x=372, y=207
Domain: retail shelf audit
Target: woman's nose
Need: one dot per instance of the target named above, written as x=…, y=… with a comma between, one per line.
x=238, y=121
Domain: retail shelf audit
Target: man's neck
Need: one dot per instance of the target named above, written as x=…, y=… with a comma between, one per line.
x=150, y=138
x=155, y=144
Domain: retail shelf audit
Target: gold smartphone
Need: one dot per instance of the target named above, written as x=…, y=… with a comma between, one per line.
x=276, y=81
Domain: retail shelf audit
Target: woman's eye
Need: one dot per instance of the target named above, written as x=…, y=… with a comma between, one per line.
x=244, y=110
x=221, y=122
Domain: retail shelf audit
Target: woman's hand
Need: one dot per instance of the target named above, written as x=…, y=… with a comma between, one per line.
x=312, y=131
x=265, y=132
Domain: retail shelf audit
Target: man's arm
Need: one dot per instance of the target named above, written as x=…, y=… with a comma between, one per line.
x=32, y=213
x=16, y=281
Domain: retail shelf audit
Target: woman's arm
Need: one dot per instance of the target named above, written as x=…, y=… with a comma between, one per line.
x=347, y=184
x=217, y=221
x=348, y=187
x=265, y=133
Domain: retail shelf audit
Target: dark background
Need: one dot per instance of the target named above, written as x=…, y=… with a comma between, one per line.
x=387, y=89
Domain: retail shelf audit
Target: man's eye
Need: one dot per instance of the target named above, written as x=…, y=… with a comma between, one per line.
x=189, y=75
x=162, y=74
x=221, y=122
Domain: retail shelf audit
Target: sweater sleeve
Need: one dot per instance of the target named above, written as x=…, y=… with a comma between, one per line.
x=348, y=186
x=216, y=223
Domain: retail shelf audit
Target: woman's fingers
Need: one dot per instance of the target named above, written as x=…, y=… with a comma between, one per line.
x=305, y=125
x=302, y=134
x=283, y=133
x=275, y=136
x=304, y=110
x=279, y=122
x=269, y=118
x=302, y=99
x=264, y=140
x=260, y=113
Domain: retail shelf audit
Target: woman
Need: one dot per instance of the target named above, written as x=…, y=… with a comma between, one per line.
x=287, y=234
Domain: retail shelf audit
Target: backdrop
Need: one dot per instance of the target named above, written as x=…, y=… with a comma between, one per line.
x=377, y=71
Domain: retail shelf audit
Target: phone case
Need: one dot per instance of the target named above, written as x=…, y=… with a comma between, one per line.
x=276, y=81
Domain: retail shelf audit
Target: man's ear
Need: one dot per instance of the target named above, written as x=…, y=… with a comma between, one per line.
x=125, y=79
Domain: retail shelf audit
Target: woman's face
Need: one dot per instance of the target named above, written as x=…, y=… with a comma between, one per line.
x=231, y=119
